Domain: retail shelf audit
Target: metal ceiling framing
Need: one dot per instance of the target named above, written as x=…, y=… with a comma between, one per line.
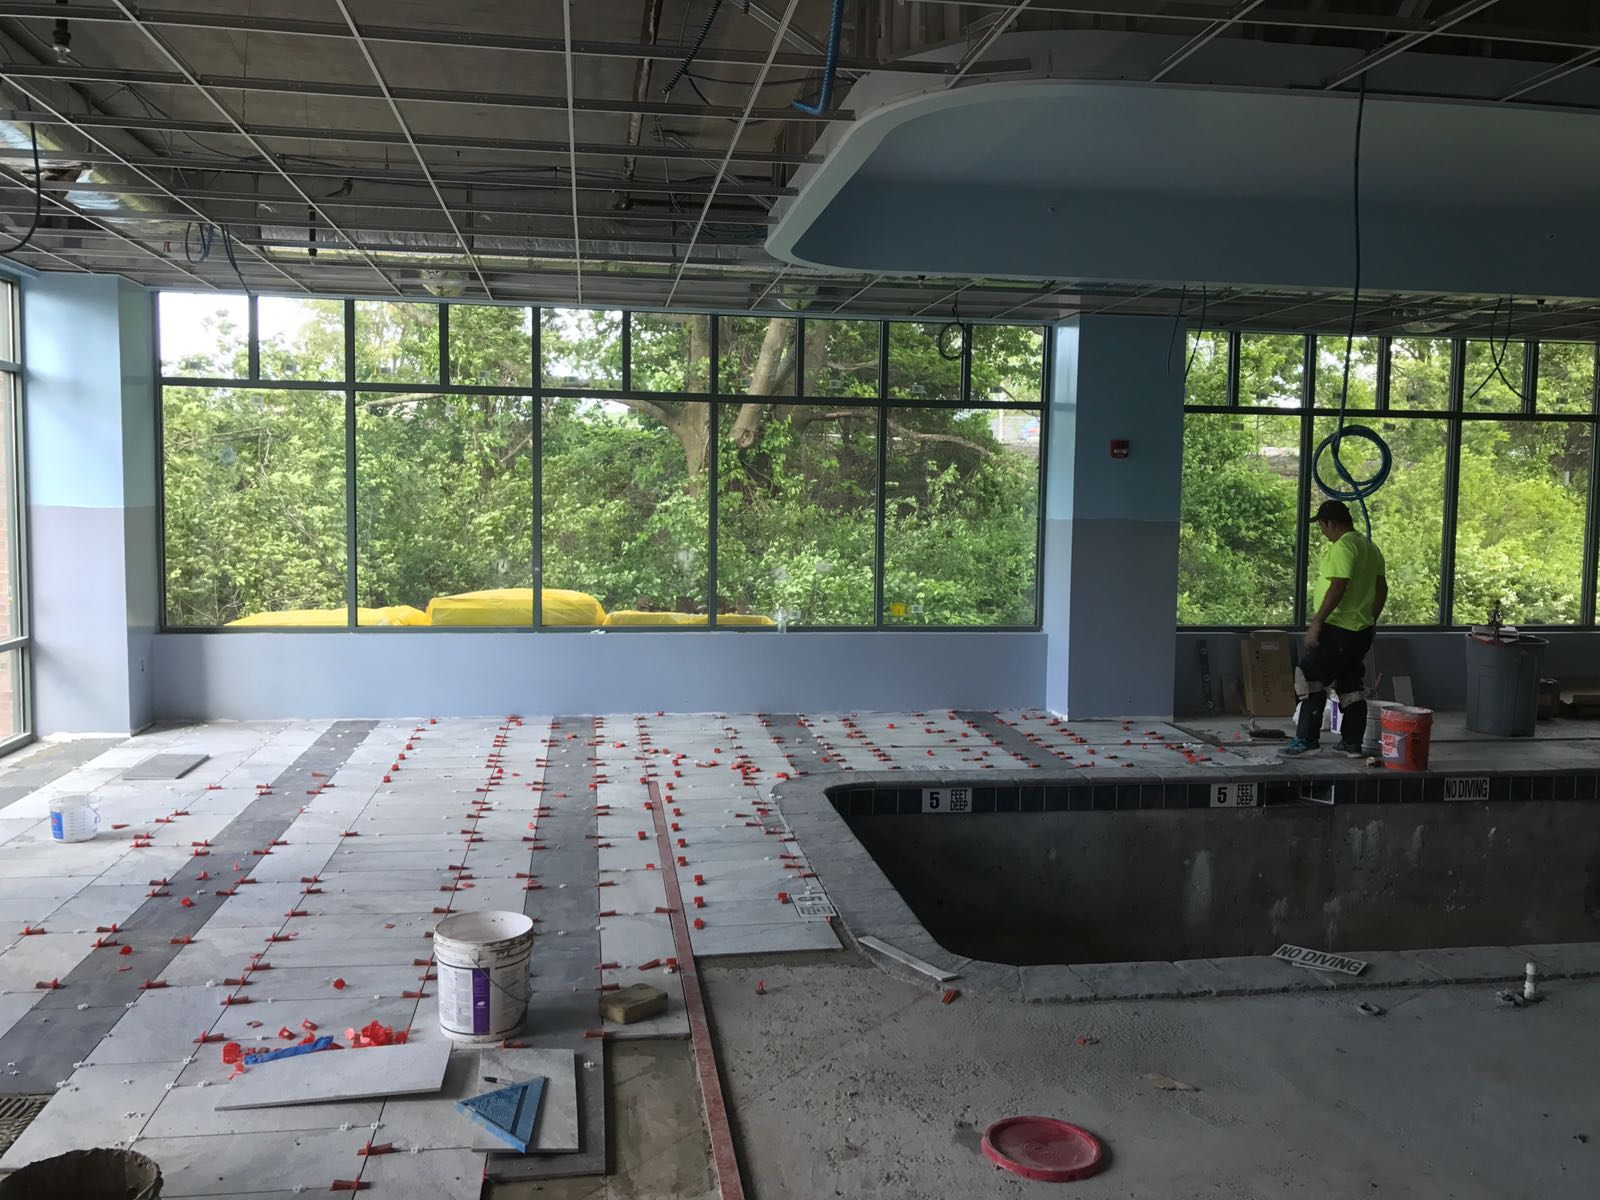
x=722, y=170
x=572, y=153
x=619, y=238
x=365, y=91
x=471, y=40
x=171, y=56
x=400, y=120
x=6, y=74
x=377, y=137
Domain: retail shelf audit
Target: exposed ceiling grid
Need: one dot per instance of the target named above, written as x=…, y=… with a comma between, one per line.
x=387, y=147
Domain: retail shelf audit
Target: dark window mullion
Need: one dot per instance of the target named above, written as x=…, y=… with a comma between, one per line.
x=536, y=500
x=1452, y=472
x=880, y=563
x=350, y=534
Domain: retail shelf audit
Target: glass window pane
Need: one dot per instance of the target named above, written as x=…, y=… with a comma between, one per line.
x=1407, y=512
x=842, y=358
x=1519, y=524
x=626, y=509
x=1206, y=361
x=254, y=502
x=1239, y=519
x=1363, y=372
x=204, y=335
x=1566, y=378
x=580, y=348
x=796, y=512
x=397, y=342
x=1419, y=374
x=1272, y=370
x=918, y=368
x=11, y=593
x=671, y=352
x=756, y=356
x=13, y=698
x=1007, y=363
x=1492, y=379
x=444, y=500
x=961, y=516
x=301, y=338
x=491, y=345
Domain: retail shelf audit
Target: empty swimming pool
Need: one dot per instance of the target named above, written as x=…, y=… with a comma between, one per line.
x=1085, y=887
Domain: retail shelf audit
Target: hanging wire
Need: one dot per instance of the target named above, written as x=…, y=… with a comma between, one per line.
x=38, y=196
x=943, y=336
x=1354, y=489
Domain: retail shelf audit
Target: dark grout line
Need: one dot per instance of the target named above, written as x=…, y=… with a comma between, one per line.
x=36, y=1044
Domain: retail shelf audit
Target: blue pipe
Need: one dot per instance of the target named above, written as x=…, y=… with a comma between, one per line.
x=829, y=66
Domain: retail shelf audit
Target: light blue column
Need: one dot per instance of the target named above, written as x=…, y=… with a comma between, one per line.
x=1113, y=590
x=90, y=403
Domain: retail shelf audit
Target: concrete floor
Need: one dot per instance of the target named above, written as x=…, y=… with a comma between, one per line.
x=846, y=1081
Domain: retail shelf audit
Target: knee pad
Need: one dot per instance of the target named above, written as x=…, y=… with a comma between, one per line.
x=1349, y=700
x=1302, y=686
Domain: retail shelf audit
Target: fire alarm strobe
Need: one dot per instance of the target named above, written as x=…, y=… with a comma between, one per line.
x=1119, y=448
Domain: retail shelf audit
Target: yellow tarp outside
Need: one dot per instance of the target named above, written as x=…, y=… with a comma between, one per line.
x=304, y=618
x=514, y=606
x=631, y=617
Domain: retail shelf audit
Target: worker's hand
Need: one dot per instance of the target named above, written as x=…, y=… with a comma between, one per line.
x=1313, y=634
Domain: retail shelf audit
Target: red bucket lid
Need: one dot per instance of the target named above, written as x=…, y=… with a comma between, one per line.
x=1043, y=1148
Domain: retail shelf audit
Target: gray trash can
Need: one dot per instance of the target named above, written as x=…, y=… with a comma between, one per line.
x=1503, y=685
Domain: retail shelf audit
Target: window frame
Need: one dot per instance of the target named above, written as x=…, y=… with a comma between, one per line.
x=17, y=498
x=1455, y=418
x=715, y=399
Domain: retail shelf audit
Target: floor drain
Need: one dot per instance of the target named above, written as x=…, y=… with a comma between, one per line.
x=16, y=1114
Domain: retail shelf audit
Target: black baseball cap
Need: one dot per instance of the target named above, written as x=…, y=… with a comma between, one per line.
x=1333, y=510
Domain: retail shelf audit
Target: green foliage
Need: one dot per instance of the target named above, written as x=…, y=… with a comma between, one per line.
x=1522, y=486
x=255, y=514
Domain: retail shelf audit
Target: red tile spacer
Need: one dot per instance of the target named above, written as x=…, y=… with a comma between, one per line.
x=148, y=984
x=417, y=995
x=350, y=1185
x=508, y=1044
x=48, y=985
x=783, y=897
x=654, y=962
x=185, y=940
x=594, y=1033
x=29, y=931
x=949, y=996
x=369, y=1149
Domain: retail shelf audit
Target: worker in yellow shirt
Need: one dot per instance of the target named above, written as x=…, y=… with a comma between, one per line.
x=1352, y=589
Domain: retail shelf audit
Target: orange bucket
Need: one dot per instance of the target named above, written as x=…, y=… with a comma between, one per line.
x=1405, y=734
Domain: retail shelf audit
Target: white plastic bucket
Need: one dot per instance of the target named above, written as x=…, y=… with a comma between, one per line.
x=73, y=819
x=483, y=974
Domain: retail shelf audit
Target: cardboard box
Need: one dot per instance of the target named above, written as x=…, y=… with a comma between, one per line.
x=1268, y=673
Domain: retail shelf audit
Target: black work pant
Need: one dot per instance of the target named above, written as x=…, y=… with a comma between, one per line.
x=1338, y=660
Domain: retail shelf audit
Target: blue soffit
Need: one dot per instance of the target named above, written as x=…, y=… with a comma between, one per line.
x=1064, y=168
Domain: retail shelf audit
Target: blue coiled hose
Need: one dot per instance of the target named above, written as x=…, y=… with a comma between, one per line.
x=1355, y=490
